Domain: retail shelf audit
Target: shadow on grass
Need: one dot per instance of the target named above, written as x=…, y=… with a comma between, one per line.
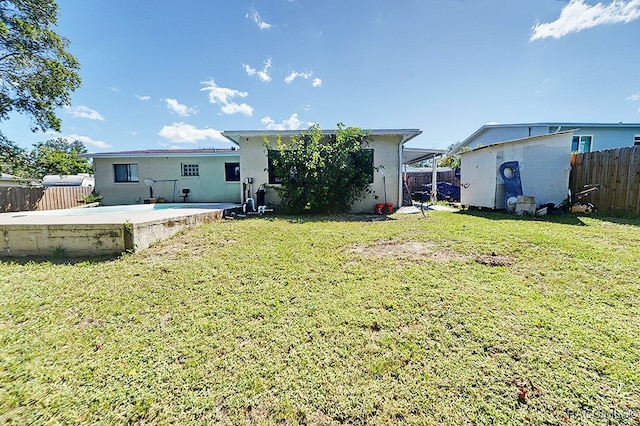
x=346, y=217
x=561, y=218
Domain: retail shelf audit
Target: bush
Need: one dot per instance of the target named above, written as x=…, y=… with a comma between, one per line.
x=322, y=173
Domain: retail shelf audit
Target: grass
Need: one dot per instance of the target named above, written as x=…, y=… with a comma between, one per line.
x=476, y=318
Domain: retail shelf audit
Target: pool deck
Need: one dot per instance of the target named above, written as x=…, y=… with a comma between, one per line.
x=99, y=231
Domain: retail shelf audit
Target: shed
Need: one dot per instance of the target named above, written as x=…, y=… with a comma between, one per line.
x=544, y=166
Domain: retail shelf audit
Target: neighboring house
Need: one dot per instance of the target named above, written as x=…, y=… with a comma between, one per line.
x=544, y=164
x=175, y=175
x=587, y=137
x=387, y=150
x=82, y=179
x=7, y=180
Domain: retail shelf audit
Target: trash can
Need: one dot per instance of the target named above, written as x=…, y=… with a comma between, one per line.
x=261, y=196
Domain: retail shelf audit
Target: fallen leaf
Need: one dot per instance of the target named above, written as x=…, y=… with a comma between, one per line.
x=522, y=394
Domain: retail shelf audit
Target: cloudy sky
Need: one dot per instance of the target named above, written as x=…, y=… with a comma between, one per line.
x=166, y=74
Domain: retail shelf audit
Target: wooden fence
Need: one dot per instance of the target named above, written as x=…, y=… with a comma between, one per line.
x=14, y=199
x=616, y=171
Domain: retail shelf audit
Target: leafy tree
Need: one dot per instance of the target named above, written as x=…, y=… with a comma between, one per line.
x=322, y=173
x=14, y=159
x=37, y=74
x=59, y=157
x=452, y=161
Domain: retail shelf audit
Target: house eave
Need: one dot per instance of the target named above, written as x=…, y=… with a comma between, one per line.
x=235, y=136
x=165, y=153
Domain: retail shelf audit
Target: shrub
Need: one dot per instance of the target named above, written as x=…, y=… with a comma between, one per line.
x=322, y=173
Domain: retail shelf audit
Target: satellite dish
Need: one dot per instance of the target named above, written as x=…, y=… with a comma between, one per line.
x=149, y=183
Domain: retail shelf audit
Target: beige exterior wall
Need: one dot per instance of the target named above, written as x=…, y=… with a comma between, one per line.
x=209, y=186
x=386, y=153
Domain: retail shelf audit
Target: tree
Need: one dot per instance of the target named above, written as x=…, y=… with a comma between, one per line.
x=59, y=157
x=322, y=173
x=452, y=161
x=37, y=74
x=14, y=159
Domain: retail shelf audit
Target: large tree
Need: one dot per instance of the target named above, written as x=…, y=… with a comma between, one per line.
x=37, y=74
x=59, y=157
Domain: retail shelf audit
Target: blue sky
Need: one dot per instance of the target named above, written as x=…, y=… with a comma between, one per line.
x=167, y=74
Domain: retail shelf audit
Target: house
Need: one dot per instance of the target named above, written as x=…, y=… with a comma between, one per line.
x=587, y=137
x=81, y=179
x=386, y=148
x=172, y=175
x=542, y=171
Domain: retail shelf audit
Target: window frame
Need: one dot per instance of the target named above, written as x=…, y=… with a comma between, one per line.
x=194, y=170
x=236, y=171
x=578, y=144
x=130, y=176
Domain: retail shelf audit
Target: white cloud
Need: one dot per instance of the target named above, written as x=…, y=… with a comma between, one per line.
x=294, y=74
x=234, y=108
x=187, y=133
x=255, y=17
x=634, y=97
x=178, y=108
x=143, y=98
x=577, y=16
x=291, y=123
x=317, y=82
x=222, y=96
x=82, y=111
x=263, y=74
x=87, y=141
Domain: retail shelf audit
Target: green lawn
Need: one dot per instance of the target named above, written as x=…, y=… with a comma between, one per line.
x=454, y=318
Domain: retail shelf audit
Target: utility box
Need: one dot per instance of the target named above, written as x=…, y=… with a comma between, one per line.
x=544, y=162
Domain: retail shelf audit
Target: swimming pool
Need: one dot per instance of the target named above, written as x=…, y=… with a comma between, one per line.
x=99, y=231
x=81, y=211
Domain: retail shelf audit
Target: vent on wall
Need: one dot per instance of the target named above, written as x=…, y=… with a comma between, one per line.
x=636, y=140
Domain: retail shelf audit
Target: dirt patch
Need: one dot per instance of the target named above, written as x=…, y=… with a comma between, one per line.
x=400, y=249
x=493, y=260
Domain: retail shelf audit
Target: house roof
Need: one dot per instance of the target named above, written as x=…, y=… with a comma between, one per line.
x=516, y=141
x=165, y=153
x=235, y=135
x=413, y=155
x=558, y=124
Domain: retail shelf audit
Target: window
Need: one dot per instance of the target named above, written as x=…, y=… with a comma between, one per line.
x=581, y=144
x=190, y=170
x=367, y=161
x=271, y=156
x=636, y=140
x=125, y=173
x=232, y=172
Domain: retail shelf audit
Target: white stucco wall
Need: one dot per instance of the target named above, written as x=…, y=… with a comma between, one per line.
x=544, y=163
x=209, y=186
x=253, y=163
